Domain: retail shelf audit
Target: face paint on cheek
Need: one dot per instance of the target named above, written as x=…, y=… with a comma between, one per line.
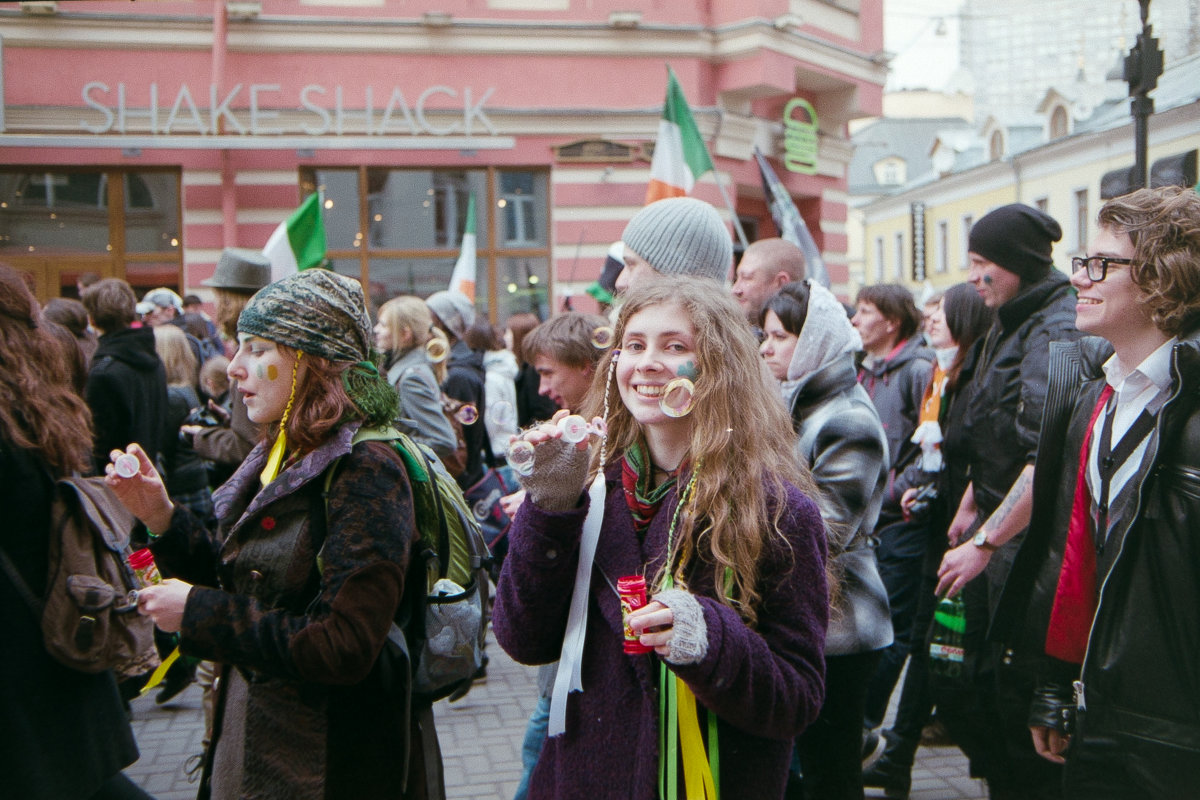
x=269, y=372
x=688, y=370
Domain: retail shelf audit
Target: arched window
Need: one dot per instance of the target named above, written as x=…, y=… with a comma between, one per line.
x=1059, y=125
x=996, y=146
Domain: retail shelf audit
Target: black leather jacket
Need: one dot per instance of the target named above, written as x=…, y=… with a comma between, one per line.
x=1139, y=677
x=1005, y=397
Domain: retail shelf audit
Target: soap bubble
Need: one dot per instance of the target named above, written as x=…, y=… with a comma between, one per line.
x=127, y=465
x=602, y=337
x=501, y=413
x=678, y=398
x=520, y=457
x=574, y=428
x=436, y=350
x=467, y=414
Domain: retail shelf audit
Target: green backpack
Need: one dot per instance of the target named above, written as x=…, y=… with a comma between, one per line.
x=444, y=628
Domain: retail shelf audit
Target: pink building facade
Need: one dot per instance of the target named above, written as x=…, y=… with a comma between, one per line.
x=138, y=140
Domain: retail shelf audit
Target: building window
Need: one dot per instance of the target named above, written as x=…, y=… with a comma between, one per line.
x=1081, y=220
x=58, y=223
x=1042, y=204
x=891, y=171
x=1059, y=124
x=965, y=242
x=943, y=247
x=879, y=268
x=899, y=274
x=414, y=221
x=996, y=146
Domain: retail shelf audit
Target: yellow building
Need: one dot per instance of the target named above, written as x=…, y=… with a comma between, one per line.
x=917, y=234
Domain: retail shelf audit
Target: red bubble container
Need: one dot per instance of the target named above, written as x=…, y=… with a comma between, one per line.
x=632, y=590
x=143, y=566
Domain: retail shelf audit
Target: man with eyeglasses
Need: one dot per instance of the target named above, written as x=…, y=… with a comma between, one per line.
x=1011, y=268
x=1106, y=586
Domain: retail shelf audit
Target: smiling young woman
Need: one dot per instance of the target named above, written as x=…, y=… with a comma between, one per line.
x=695, y=490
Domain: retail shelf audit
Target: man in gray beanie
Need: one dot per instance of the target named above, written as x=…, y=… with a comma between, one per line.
x=1011, y=268
x=676, y=236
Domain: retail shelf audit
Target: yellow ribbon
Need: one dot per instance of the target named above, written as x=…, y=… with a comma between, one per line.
x=279, y=449
x=157, y=676
x=697, y=773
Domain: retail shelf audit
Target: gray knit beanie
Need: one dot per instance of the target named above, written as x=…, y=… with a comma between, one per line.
x=681, y=236
x=454, y=309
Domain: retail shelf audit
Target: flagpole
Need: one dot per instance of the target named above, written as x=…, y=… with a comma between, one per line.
x=737, y=223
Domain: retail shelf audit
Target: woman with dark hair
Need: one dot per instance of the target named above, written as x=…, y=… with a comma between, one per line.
x=809, y=346
x=954, y=327
x=73, y=316
x=66, y=735
x=296, y=590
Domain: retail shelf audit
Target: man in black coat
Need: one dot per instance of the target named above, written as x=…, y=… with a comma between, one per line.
x=127, y=384
x=1011, y=268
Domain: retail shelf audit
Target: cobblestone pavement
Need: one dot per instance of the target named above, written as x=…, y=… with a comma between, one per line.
x=480, y=737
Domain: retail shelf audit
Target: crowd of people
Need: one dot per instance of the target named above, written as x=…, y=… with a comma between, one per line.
x=798, y=483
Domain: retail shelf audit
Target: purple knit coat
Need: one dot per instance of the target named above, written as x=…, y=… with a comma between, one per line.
x=765, y=685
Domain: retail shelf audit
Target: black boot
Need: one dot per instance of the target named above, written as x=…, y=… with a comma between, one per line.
x=892, y=772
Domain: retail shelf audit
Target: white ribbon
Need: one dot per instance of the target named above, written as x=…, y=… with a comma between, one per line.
x=929, y=435
x=570, y=661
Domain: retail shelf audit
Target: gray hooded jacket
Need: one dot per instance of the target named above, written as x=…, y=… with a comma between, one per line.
x=842, y=441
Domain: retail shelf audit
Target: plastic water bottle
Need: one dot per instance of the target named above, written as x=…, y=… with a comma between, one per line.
x=946, y=645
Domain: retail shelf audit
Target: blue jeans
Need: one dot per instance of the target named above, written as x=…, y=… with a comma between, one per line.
x=531, y=748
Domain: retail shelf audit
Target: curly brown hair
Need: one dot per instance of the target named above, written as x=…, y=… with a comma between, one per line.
x=1164, y=227
x=39, y=408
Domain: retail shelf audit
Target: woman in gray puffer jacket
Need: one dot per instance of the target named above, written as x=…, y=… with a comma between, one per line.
x=809, y=347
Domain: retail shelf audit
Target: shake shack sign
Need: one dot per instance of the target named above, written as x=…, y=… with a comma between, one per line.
x=265, y=109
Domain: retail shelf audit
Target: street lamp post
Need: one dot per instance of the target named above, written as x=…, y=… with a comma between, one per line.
x=1143, y=65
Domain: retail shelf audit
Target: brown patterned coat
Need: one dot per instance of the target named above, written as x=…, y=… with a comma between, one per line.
x=317, y=725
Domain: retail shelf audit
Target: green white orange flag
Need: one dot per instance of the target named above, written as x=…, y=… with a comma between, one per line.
x=680, y=156
x=299, y=241
x=462, y=280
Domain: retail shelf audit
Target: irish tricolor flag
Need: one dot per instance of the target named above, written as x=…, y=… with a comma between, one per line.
x=299, y=241
x=462, y=280
x=680, y=156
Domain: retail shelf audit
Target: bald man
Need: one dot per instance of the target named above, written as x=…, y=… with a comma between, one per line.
x=765, y=267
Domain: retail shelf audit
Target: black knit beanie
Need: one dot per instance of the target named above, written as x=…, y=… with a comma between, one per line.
x=1018, y=238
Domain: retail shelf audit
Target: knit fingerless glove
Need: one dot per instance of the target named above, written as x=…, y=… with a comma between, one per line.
x=559, y=472
x=689, y=631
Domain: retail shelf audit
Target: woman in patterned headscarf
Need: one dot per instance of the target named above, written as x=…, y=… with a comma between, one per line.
x=296, y=590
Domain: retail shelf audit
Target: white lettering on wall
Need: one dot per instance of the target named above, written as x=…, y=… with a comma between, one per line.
x=257, y=115
x=96, y=104
x=316, y=109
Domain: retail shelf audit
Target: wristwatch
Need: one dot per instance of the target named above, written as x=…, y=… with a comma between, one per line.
x=980, y=540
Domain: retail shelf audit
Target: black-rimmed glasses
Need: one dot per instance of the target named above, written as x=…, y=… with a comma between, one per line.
x=1097, y=266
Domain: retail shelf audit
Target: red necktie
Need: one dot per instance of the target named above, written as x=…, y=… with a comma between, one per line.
x=1075, y=597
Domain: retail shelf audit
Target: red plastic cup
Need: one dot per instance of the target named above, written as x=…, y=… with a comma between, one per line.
x=632, y=590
